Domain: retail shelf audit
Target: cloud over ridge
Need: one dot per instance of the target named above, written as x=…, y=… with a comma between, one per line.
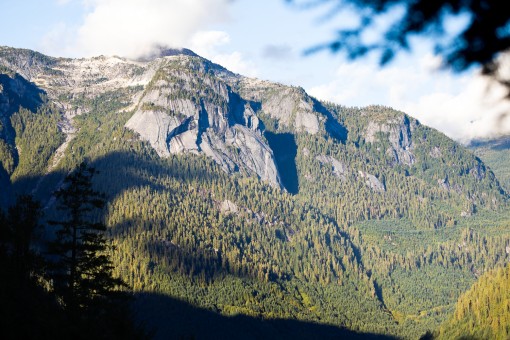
x=131, y=28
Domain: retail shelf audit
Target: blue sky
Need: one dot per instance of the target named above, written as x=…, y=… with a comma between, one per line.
x=264, y=39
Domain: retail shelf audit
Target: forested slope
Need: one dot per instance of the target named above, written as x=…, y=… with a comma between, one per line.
x=483, y=312
x=372, y=222
x=496, y=154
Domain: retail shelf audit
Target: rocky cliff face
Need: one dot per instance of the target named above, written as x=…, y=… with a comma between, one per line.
x=398, y=132
x=182, y=103
x=186, y=109
x=338, y=168
x=291, y=107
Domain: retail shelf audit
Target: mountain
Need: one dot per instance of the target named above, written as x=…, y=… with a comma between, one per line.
x=483, y=311
x=243, y=196
x=496, y=154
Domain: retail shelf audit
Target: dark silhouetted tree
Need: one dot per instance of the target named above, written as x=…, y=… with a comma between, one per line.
x=27, y=310
x=82, y=275
x=22, y=222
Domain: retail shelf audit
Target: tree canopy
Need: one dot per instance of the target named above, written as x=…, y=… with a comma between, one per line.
x=84, y=269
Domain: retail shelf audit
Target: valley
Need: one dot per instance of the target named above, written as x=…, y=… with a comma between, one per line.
x=235, y=198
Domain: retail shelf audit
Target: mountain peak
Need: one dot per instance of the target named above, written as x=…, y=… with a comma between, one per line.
x=161, y=52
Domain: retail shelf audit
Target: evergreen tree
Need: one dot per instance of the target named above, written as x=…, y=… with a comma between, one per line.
x=22, y=222
x=82, y=275
x=27, y=310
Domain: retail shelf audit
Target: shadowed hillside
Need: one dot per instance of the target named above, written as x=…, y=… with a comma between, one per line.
x=169, y=318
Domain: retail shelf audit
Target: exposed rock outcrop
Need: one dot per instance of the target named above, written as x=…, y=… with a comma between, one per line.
x=339, y=169
x=181, y=103
x=398, y=131
x=435, y=152
x=186, y=110
x=228, y=207
x=478, y=171
x=292, y=108
x=372, y=181
x=444, y=183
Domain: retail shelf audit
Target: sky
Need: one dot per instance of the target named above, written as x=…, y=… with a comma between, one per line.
x=264, y=39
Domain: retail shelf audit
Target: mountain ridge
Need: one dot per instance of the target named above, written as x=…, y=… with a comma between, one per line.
x=244, y=196
x=223, y=115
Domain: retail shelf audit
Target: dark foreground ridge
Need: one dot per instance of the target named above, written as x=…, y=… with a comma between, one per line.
x=169, y=318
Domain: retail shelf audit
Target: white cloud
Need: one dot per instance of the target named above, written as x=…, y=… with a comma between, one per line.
x=214, y=45
x=205, y=43
x=475, y=112
x=464, y=107
x=237, y=63
x=133, y=27
x=59, y=40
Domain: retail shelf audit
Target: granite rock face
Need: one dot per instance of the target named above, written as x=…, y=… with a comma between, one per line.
x=291, y=107
x=373, y=182
x=339, y=169
x=181, y=103
x=193, y=106
x=398, y=132
x=185, y=109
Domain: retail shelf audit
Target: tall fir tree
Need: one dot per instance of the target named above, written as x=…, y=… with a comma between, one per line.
x=27, y=310
x=83, y=273
x=22, y=222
